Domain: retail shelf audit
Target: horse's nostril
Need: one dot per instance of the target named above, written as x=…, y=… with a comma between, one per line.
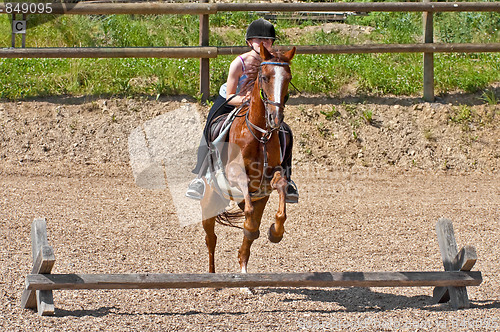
x=273, y=121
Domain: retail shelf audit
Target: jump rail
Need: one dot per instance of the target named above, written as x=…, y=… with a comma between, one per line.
x=231, y=280
x=450, y=284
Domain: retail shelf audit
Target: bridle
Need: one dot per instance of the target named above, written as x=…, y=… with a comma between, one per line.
x=266, y=133
x=263, y=95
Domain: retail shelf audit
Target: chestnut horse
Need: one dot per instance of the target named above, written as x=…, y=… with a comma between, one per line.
x=253, y=157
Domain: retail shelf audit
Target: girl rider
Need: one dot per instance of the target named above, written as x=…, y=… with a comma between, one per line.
x=259, y=31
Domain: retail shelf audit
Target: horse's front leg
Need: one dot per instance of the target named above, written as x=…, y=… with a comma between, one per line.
x=236, y=174
x=277, y=229
x=253, y=217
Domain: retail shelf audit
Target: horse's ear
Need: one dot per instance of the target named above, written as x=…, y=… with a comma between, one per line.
x=264, y=53
x=290, y=54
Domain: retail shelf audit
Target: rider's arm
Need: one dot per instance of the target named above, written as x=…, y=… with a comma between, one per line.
x=235, y=72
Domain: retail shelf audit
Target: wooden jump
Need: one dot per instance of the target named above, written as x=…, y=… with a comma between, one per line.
x=450, y=285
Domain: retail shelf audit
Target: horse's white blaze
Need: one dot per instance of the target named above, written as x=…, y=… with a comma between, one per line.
x=279, y=78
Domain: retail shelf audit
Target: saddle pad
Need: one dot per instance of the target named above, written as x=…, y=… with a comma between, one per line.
x=229, y=192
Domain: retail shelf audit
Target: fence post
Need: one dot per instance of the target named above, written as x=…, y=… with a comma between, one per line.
x=428, y=57
x=204, y=62
x=13, y=34
x=23, y=36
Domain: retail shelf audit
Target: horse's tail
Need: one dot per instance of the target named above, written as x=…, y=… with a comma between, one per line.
x=230, y=218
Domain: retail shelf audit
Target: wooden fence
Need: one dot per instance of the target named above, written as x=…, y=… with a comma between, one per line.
x=205, y=51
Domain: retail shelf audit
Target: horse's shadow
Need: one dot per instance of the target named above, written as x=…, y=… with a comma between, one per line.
x=361, y=299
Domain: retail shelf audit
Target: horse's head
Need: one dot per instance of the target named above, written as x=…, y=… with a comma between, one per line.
x=274, y=77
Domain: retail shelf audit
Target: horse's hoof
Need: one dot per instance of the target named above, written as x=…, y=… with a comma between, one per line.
x=272, y=238
x=248, y=291
x=251, y=235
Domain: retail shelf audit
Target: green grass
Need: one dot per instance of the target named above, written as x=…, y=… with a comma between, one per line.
x=462, y=115
x=398, y=74
x=489, y=97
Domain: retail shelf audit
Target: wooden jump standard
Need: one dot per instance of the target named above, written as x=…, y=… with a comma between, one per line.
x=450, y=284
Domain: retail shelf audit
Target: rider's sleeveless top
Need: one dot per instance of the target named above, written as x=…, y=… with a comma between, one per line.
x=223, y=88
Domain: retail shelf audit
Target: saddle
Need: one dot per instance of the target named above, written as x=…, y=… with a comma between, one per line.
x=216, y=127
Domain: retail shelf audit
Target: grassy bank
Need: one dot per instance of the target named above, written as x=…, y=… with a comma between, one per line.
x=399, y=74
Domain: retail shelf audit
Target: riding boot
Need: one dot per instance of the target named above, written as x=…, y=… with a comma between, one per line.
x=291, y=193
x=196, y=189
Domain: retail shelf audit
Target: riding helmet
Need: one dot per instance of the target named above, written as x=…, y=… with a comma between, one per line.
x=261, y=29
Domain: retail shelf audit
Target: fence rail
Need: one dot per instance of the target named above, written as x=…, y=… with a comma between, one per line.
x=211, y=52
x=157, y=8
x=205, y=51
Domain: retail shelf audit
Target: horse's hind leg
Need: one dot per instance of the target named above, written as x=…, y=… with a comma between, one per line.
x=211, y=241
x=277, y=229
x=208, y=217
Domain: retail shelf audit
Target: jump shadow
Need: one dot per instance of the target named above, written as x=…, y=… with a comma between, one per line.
x=354, y=299
x=101, y=312
x=188, y=313
x=105, y=311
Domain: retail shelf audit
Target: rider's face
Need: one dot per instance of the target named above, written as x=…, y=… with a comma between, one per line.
x=255, y=43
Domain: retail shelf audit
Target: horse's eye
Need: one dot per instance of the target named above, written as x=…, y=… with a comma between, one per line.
x=265, y=79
